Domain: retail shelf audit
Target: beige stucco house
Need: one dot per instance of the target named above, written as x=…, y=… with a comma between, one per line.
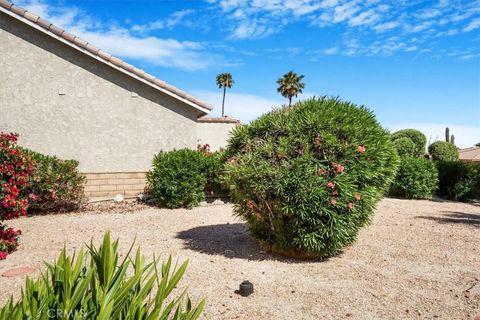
x=66, y=97
x=470, y=154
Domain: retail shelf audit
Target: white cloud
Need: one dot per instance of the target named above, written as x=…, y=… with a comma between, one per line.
x=330, y=51
x=474, y=24
x=176, y=18
x=121, y=42
x=383, y=27
x=465, y=136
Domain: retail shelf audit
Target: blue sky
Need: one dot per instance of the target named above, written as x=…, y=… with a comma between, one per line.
x=415, y=63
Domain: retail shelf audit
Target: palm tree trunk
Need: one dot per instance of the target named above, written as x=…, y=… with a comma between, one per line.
x=223, y=102
x=289, y=101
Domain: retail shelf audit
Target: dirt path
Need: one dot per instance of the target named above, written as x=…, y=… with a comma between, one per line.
x=418, y=260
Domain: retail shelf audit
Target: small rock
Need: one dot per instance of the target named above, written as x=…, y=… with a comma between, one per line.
x=218, y=201
x=118, y=198
x=203, y=203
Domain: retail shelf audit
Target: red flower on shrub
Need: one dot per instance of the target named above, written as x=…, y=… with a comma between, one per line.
x=338, y=168
x=3, y=255
x=361, y=149
x=333, y=201
x=331, y=184
x=351, y=205
x=357, y=196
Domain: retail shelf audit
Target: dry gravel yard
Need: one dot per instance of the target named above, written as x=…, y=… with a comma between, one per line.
x=418, y=260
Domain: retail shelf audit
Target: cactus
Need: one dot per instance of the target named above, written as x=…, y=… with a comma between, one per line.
x=447, y=134
x=452, y=139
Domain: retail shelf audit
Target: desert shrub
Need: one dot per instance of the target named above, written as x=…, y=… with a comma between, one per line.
x=306, y=178
x=416, y=178
x=416, y=136
x=214, y=163
x=177, y=178
x=55, y=185
x=441, y=150
x=97, y=285
x=458, y=180
x=15, y=170
x=405, y=147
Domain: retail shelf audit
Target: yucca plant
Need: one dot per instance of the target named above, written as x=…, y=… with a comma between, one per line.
x=94, y=285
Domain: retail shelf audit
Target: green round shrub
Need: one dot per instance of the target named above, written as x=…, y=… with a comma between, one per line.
x=416, y=136
x=441, y=150
x=306, y=178
x=458, y=180
x=416, y=178
x=177, y=178
x=405, y=147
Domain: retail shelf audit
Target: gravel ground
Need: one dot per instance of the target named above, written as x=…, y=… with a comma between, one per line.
x=417, y=260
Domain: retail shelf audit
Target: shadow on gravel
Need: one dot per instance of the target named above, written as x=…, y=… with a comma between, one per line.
x=229, y=240
x=455, y=217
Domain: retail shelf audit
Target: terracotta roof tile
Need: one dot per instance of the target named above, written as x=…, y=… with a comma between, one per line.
x=6, y=4
x=127, y=66
x=116, y=61
x=139, y=72
x=52, y=29
x=80, y=42
x=92, y=48
x=68, y=36
x=44, y=23
x=104, y=55
x=18, y=10
x=30, y=16
x=56, y=30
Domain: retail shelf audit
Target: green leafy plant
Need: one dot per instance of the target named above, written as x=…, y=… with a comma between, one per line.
x=98, y=285
x=306, y=178
x=178, y=178
x=441, y=150
x=214, y=163
x=416, y=178
x=458, y=180
x=416, y=136
x=55, y=184
x=405, y=147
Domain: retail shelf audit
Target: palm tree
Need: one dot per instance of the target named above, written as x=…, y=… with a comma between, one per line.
x=224, y=80
x=290, y=85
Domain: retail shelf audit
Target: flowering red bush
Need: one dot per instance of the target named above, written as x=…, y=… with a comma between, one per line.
x=8, y=240
x=15, y=170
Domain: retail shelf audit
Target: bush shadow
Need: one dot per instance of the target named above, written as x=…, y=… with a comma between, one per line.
x=455, y=217
x=231, y=241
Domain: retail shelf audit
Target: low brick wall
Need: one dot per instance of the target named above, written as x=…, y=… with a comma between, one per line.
x=113, y=183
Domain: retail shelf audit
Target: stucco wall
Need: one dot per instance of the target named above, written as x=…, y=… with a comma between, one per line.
x=214, y=133
x=66, y=103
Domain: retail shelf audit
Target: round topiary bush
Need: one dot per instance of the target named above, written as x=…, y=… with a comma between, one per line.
x=417, y=178
x=416, y=136
x=445, y=151
x=405, y=147
x=178, y=178
x=306, y=178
